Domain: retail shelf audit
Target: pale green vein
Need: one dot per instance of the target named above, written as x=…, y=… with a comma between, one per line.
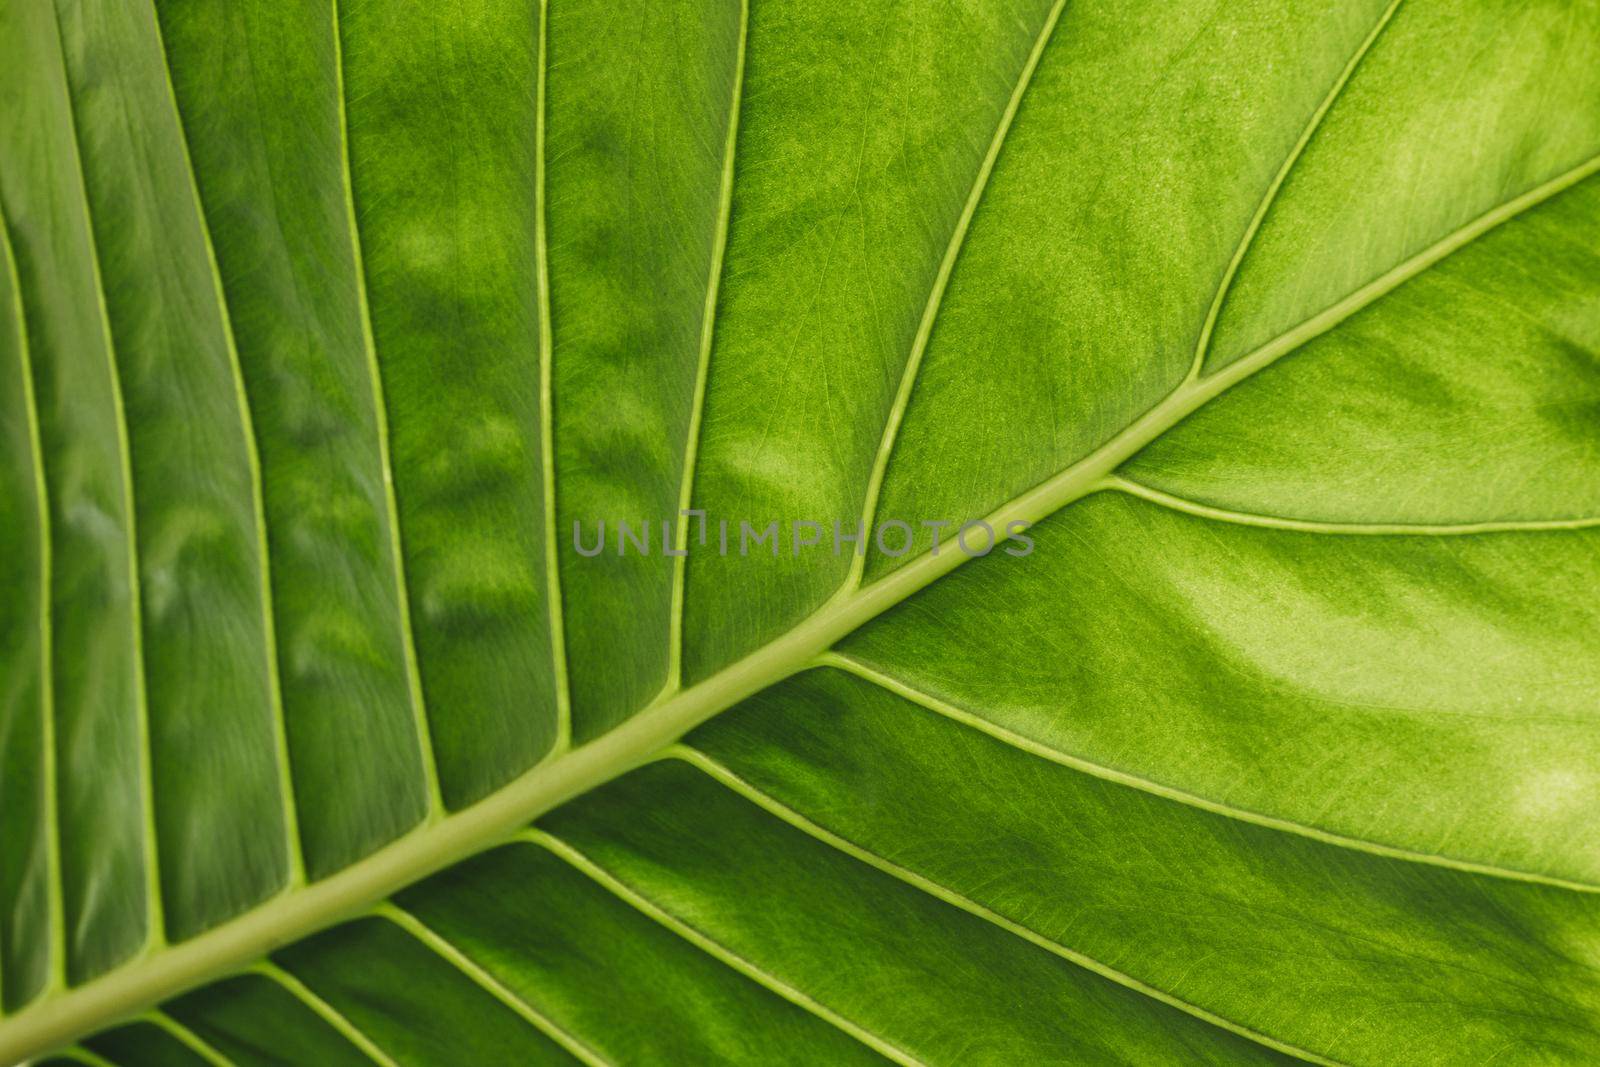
x=547, y=438
x=1027, y=744
x=1203, y=345
x=325, y=1011
x=499, y=817
x=1369, y=529
x=258, y=506
x=189, y=1039
x=1215, y=383
x=369, y=344
x=55, y=911
x=691, y=447
x=628, y=895
x=155, y=916
x=452, y=955
x=941, y=281
x=728, y=778
x=85, y=1056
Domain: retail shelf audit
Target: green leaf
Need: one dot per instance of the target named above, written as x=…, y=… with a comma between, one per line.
x=1271, y=329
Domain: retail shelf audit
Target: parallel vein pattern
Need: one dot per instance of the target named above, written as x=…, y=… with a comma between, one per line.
x=252, y=454
x=1260, y=726
x=1203, y=346
x=719, y=952
x=930, y=313
x=150, y=926
x=691, y=448
x=391, y=510
x=1026, y=744
x=32, y=889
x=1398, y=529
x=727, y=778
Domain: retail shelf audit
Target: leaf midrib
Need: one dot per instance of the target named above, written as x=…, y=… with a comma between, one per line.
x=231, y=947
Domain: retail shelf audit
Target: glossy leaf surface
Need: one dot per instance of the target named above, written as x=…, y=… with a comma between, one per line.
x=330, y=333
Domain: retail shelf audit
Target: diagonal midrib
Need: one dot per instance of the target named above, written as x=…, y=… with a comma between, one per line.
x=232, y=946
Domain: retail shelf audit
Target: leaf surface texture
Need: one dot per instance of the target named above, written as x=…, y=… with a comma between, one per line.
x=323, y=324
